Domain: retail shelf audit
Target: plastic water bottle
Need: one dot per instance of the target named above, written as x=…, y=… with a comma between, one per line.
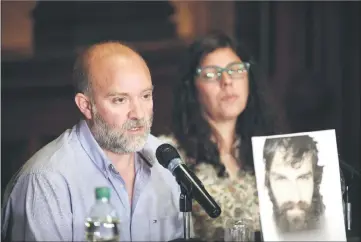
x=102, y=223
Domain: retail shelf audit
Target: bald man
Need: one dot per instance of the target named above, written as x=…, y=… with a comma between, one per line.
x=50, y=197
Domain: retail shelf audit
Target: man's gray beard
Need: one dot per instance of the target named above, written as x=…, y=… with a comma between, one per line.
x=116, y=139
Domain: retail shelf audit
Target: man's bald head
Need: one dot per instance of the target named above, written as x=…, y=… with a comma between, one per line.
x=114, y=93
x=91, y=61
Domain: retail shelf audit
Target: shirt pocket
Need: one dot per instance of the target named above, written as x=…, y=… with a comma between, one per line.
x=166, y=228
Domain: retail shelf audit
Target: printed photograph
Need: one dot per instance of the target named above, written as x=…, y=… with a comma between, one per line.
x=299, y=187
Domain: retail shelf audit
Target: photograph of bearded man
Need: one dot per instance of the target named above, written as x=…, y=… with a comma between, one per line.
x=299, y=186
x=293, y=179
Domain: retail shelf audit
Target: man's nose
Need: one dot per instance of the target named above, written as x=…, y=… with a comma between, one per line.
x=136, y=111
x=296, y=193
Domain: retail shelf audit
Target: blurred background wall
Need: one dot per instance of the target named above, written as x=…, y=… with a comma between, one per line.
x=309, y=51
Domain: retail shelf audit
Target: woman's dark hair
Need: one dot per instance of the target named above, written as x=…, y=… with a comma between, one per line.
x=189, y=127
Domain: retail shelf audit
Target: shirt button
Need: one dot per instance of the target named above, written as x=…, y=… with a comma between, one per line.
x=112, y=168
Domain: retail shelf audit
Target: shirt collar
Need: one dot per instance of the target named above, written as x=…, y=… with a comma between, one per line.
x=97, y=155
x=92, y=148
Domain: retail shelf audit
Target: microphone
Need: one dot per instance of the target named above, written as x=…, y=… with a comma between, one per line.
x=169, y=158
x=149, y=149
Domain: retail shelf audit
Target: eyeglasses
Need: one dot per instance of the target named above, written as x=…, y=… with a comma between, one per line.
x=237, y=70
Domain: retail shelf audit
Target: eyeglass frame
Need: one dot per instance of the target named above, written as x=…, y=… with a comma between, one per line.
x=220, y=70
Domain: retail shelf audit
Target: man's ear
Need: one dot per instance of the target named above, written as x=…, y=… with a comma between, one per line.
x=84, y=105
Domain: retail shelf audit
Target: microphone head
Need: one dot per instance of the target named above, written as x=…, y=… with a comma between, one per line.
x=165, y=153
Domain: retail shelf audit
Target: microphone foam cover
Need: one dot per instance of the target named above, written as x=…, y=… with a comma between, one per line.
x=165, y=153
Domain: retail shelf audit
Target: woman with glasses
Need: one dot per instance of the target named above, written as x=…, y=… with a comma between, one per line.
x=218, y=107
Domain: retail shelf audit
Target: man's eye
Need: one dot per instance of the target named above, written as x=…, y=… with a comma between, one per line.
x=118, y=100
x=147, y=96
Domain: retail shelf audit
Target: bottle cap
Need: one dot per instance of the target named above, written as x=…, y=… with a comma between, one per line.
x=102, y=192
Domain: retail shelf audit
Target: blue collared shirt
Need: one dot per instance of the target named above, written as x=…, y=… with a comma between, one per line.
x=50, y=197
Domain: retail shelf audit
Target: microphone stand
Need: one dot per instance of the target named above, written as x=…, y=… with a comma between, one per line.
x=348, y=211
x=348, y=205
x=185, y=204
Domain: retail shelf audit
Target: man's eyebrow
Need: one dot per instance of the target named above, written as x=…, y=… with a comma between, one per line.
x=306, y=174
x=114, y=94
x=272, y=173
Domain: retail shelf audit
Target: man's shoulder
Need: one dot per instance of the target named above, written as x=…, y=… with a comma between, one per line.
x=46, y=170
x=53, y=156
